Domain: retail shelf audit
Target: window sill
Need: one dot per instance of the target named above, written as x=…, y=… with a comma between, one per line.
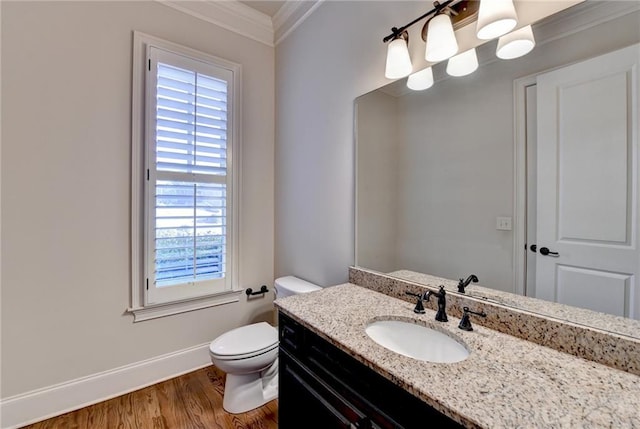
x=149, y=312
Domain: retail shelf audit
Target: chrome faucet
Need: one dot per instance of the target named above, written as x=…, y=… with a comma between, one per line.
x=441, y=315
x=464, y=283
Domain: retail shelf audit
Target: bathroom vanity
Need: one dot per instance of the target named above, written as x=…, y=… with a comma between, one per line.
x=323, y=387
x=332, y=374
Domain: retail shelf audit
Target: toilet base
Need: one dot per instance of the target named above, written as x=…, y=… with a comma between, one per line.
x=245, y=392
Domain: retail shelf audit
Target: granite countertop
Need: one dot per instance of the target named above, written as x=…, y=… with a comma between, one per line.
x=505, y=382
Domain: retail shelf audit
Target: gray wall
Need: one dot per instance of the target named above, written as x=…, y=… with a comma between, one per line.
x=334, y=56
x=66, y=136
x=377, y=176
x=456, y=164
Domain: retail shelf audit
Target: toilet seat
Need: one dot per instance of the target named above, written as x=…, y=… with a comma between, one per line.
x=244, y=355
x=245, y=342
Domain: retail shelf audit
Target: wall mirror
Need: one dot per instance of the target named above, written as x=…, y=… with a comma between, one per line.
x=540, y=151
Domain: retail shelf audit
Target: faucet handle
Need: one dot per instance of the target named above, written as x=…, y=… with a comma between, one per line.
x=419, y=309
x=465, y=322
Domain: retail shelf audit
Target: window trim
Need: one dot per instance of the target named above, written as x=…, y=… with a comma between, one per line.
x=138, y=307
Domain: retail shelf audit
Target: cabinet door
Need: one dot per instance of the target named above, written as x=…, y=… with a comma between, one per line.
x=307, y=401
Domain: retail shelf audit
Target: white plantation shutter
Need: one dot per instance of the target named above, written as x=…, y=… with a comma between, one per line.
x=190, y=232
x=188, y=180
x=191, y=129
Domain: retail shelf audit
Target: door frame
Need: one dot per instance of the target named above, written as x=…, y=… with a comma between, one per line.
x=520, y=180
x=520, y=186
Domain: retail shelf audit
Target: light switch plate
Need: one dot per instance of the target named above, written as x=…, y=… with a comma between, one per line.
x=503, y=223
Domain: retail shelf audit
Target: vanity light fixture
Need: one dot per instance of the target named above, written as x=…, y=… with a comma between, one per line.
x=463, y=64
x=495, y=18
x=516, y=44
x=421, y=80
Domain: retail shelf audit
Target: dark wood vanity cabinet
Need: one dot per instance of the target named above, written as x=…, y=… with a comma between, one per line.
x=322, y=387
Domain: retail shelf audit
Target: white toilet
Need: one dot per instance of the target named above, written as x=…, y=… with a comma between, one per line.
x=249, y=356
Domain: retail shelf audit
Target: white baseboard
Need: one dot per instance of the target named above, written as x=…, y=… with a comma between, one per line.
x=37, y=405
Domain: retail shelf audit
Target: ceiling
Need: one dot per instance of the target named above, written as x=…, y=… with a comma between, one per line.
x=267, y=7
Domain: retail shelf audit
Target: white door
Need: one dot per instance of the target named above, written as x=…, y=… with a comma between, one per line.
x=588, y=198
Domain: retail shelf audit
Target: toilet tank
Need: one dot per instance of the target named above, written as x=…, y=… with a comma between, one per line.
x=290, y=285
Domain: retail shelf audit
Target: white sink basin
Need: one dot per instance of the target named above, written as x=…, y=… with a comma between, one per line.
x=416, y=341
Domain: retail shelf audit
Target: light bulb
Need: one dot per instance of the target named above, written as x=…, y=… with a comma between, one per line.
x=463, y=64
x=421, y=80
x=516, y=43
x=495, y=18
x=441, y=40
x=398, y=59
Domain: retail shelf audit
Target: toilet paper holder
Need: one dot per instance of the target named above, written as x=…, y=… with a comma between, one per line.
x=263, y=289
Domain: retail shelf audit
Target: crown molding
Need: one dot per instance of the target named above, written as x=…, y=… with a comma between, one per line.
x=291, y=15
x=581, y=17
x=235, y=16
x=230, y=15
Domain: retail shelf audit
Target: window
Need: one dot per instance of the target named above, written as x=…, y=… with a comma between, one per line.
x=184, y=180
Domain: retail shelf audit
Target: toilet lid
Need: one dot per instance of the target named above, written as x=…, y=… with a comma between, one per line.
x=245, y=340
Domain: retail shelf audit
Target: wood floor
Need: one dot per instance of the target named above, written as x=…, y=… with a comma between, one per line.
x=193, y=400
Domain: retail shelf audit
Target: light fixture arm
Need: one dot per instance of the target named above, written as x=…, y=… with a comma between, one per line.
x=397, y=32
